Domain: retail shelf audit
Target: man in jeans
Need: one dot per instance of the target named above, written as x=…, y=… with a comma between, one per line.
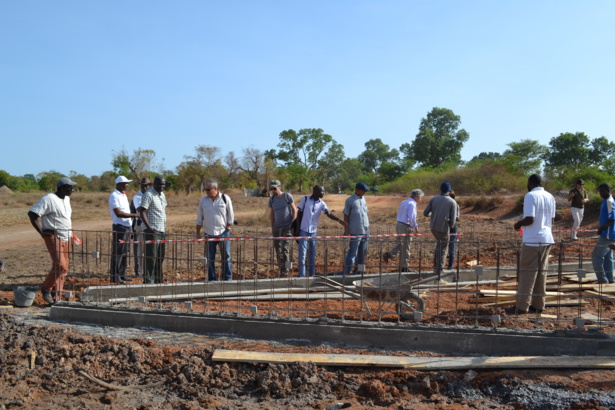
x=602, y=257
x=153, y=214
x=578, y=198
x=282, y=213
x=355, y=215
x=119, y=208
x=215, y=215
x=311, y=208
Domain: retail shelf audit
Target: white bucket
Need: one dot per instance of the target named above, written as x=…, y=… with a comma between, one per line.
x=24, y=295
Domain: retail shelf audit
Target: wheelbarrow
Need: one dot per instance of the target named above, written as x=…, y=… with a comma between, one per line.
x=395, y=290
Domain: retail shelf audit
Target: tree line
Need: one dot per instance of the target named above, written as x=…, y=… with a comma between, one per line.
x=309, y=156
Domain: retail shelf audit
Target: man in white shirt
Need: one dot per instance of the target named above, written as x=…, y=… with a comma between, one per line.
x=406, y=225
x=55, y=212
x=215, y=216
x=119, y=209
x=539, y=214
x=138, y=227
x=311, y=207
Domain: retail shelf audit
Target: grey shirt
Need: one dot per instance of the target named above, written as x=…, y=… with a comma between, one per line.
x=355, y=209
x=443, y=211
x=282, y=212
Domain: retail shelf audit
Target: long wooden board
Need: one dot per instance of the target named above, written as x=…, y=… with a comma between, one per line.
x=420, y=363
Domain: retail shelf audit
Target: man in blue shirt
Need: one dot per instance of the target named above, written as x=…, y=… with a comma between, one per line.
x=311, y=208
x=602, y=257
x=355, y=215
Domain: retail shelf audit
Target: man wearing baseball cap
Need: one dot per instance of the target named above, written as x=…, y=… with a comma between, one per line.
x=119, y=208
x=355, y=215
x=55, y=212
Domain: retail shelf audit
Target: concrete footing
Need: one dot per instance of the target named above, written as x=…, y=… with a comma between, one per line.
x=412, y=337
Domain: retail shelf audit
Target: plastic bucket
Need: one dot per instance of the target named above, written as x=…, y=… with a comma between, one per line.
x=24, y=295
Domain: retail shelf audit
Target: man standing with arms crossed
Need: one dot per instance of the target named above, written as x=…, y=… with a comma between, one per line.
x=282, y=212
x=138, y=227
x=215, y=215
x=154, y=216
x=539, y=214
x=119, y=208
x=55, y=212
x=406, y=224
x=355, y=215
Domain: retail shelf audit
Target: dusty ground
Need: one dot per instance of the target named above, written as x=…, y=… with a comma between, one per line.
x=40, y=361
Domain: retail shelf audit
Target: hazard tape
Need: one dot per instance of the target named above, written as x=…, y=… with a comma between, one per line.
x=268, y=238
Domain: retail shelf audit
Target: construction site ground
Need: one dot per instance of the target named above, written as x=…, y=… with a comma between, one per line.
x=46, y=364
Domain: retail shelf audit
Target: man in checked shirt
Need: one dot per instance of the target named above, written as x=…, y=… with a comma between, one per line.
x=153, y=214
x=406, y=224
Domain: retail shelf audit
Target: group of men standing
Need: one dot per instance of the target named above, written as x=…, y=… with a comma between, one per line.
x=144, y=218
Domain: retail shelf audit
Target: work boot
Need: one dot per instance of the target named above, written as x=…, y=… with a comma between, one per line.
x=386, y=257
x=47, y=296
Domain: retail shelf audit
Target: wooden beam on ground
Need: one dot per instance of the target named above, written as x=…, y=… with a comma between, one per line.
x=420, y=363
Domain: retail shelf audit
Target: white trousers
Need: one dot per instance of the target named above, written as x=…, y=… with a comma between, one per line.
x=577, y=217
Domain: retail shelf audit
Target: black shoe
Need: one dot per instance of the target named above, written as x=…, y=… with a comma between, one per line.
x=512, y=310
x=532, y=309
x=120, y=281
x=47, y=296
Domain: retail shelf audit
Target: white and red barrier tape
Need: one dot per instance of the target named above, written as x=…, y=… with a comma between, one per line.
x=266, y=238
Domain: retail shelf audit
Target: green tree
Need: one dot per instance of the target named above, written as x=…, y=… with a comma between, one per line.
x=330, y=163
x=303, y=151
x=439, y=139
x=141, y=163
x=525, y=155
x=568, y=150
x=602, y=150
x=377, y=153
x=205, y=163
x=486, y=156
x=47, y=180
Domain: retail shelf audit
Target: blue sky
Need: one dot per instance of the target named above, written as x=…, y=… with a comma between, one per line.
x=81, y=79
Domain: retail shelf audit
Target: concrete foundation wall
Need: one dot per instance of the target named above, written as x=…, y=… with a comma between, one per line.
x=411, y=338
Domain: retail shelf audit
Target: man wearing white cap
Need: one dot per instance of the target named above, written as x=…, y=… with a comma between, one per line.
x=119, y=208
x=54, y=212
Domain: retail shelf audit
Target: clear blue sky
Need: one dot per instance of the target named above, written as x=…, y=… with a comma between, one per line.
x=79, y=79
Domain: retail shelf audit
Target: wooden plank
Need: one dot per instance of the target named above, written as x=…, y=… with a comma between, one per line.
x=566, y=302
x=290, y=296
x=419, y=363
x=6, y=307
x=502, y=292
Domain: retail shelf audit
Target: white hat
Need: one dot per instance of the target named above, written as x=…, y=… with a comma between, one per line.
x=121, y=179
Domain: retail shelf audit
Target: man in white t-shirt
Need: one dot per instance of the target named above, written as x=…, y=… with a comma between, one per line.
x=538, y=216
x=55, y=212
x=119, y=209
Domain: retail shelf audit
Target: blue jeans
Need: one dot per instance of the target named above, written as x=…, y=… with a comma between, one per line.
x=602, y=260
x=358, y=251
x=303, y=245
x=225, y=256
